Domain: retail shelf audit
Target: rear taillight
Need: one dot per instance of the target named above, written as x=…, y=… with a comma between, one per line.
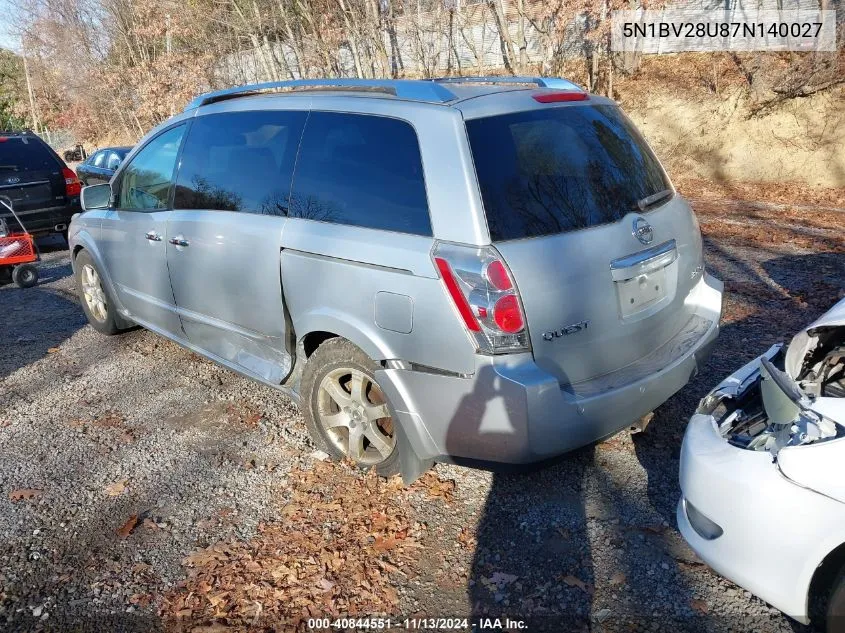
x=72, y=185
x=485, y=297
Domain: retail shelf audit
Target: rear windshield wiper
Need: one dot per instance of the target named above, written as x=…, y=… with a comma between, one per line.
x=653, y=199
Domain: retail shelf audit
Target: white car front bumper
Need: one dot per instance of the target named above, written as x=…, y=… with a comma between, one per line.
x=774, y=533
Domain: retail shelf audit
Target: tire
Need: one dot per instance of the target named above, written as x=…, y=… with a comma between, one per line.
x=333, y=371
x=25, y=275
x=835, y=607
x=94, y=297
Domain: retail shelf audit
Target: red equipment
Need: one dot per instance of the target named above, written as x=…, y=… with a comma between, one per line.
x=18, y=252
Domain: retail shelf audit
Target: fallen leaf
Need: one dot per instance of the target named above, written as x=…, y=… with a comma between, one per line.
x=383, y=544
x=110, y=420
x=217, y=599
x=126, y=529
x=151, y=525
x=325, y=584
x=141, y=599
x=53, y=350
x=435, y=486
x=572, y=581
x=617, y=579
x=700, y=606
x=391, y=595
x=116, y=489
x=25, y=493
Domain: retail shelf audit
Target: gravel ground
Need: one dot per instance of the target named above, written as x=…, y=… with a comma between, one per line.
x=131, y=453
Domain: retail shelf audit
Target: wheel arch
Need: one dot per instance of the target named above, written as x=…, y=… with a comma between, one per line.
x=822, y=582
x=414, y=441
x=84, y=242
x=313, y=328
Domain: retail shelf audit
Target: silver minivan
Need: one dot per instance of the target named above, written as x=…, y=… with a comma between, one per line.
x=478, y=270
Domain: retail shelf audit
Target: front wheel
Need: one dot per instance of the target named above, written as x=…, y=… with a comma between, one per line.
x=96, y=303
x=835, y=611
x=346, y=412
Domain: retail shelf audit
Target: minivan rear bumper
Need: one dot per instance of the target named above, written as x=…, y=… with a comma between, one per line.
x=511, y=411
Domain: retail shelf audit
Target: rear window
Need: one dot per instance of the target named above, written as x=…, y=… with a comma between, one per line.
x=24, y=154
x=560, y=169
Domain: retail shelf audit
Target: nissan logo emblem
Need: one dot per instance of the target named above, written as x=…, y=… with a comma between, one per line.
x=642, y=231
x=13, y=180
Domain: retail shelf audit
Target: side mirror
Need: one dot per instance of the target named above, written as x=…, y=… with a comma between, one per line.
x=96, y=197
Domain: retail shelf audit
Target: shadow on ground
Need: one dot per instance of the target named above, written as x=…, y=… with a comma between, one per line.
x=35, y=320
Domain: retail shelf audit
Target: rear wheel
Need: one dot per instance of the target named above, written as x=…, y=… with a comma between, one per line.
x=25, y=275
x=95, y=299
x=345, y=409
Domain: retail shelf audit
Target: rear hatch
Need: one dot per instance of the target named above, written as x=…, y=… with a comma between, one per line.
x=30, y=174
x=602, y=250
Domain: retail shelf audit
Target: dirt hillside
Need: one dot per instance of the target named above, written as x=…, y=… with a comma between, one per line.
x=713, y=138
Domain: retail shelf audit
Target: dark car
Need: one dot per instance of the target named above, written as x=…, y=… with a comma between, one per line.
x=43, y=190
x=101, y=165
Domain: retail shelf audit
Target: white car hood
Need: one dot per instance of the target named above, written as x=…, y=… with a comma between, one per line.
x=816, y=466
x=805, y=341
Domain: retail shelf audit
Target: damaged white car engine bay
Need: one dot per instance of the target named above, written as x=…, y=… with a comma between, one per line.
x=786, y=397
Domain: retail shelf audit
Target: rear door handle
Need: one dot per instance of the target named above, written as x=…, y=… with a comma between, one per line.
x=153, y=236
x=179, y=241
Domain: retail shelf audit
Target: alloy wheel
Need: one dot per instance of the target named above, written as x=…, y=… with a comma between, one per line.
x=355, y=417
x=95, y=297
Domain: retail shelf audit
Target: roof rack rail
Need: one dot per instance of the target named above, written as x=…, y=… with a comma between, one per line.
x=556, y=83
x=412, y=89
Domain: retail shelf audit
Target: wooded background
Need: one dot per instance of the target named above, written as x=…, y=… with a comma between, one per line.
x=112, y=69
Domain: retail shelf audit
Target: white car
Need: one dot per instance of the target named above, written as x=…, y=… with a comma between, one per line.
x=762, y=475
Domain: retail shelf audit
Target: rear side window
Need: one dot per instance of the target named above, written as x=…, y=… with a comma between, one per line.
x=361, y=170
x=24, y=154
x=560, y=169
x=240, y=161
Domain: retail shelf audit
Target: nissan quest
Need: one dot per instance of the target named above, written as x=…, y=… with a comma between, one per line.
x=477, y=270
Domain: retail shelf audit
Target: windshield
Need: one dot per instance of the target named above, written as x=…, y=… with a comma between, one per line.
x=24, y=154
x=560, y=169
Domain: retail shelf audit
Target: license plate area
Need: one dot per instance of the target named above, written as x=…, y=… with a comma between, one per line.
x=641, y=292
x=645, y=280
x=30, y=194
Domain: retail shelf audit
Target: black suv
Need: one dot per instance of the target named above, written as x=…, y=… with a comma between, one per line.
x=43, y=190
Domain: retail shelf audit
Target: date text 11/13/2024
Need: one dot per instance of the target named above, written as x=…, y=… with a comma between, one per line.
x=416, y=624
